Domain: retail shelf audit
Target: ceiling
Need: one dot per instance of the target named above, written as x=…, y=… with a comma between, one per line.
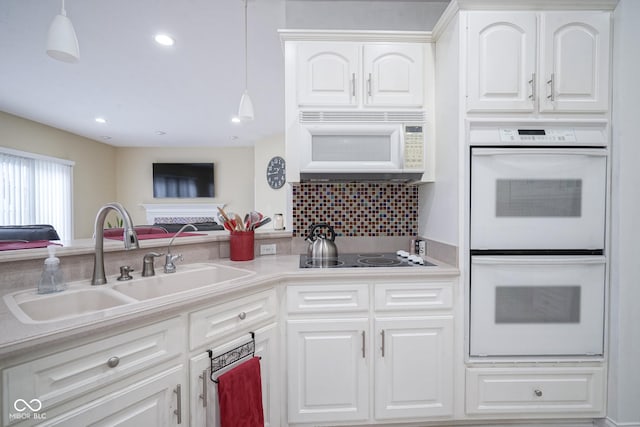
x=149, y=95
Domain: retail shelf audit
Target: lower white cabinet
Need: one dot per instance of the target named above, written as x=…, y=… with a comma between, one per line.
x=536, y=390
x=328, y=370
x=157, y=401
x=413, y=367
x=204, y=409
x=393, y=351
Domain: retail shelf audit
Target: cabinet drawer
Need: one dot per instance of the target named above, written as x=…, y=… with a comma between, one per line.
x=535, y=390
x=327, y=298
x=70, y=373
x=237, y=316
x=414, y=296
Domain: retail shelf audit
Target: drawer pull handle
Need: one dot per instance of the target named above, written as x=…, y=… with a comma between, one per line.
x=538, y=392
x=113, y=361
x=382, y=348
x=363, y=350
x=242, y=315
x=178, y=410
x=203, y=396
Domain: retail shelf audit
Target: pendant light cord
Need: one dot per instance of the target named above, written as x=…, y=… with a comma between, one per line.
x=246, y=62
x=63, y=11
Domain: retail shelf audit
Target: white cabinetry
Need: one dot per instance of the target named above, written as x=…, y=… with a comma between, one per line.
x=221, y=328
x=350, y=74
x=337, y=367
x=552, y=61
x=204, y=410
x=133, y=374
x=538, y=390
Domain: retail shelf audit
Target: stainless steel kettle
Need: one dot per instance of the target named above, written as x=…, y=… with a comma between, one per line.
x=321, y=247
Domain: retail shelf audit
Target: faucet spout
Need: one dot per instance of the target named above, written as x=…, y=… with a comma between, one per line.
x=169, y=266
x=130, y=238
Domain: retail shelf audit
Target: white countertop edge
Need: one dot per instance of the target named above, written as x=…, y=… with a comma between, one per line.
x=17, y=337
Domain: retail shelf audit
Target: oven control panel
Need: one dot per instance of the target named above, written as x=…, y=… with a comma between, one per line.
x=559, y=136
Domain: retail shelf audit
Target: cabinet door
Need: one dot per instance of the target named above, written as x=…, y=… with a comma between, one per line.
x=204, y=392
x=393, y=75
x=574, y=61
x=413, y=367
x=328, y=74
x=501, y=61
x=155, y=401
x=328, y=377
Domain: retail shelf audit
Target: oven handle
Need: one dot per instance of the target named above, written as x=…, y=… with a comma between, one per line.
x=482, y=151
x=537, y=260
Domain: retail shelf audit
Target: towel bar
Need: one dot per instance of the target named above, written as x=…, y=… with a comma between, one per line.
x=232, y=356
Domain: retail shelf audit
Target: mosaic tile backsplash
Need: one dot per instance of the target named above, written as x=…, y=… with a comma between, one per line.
x=356, y=209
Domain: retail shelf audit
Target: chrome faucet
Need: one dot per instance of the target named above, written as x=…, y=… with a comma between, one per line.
x=169, y=266
x=130, y=238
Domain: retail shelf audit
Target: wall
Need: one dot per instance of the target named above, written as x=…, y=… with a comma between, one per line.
x=269, y=201
x=94, y=182
x=233, y=176
x=403, y=15
x=624, y=380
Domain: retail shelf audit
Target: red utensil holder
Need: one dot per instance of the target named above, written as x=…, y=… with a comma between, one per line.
x=241, y=245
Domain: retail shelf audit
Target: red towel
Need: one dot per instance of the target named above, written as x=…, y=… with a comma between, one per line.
x=240, y=396
x=11, y=246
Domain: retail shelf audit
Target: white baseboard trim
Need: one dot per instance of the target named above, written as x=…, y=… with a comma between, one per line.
x=607, y=422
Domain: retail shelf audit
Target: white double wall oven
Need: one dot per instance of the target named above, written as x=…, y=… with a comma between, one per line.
x=537, y=238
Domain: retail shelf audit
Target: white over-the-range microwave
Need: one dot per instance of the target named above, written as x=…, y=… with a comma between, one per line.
x=362, y=151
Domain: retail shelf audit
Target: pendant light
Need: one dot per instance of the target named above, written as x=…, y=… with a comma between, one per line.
x=245, y=111
x=62, y=43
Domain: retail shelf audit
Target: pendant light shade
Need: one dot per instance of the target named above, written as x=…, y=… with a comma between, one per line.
x=245, y=111
x=62, y=43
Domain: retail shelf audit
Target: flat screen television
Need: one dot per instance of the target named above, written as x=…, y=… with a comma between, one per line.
x=183, y=180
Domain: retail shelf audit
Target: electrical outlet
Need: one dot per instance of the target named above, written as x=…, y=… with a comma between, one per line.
x=268, y=249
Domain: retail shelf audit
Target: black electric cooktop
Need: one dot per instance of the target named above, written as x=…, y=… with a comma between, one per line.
x=381, y=259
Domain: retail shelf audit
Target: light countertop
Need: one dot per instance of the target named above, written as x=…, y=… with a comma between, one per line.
x=17, y=337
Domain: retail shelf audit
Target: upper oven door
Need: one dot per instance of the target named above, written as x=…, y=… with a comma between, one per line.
x=538, y=198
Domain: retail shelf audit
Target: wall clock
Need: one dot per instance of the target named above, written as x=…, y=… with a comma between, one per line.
x=276, y=172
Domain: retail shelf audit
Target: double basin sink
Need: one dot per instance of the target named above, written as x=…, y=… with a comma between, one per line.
x=81, y=298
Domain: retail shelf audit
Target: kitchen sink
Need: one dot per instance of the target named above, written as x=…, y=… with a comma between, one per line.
x=83, y=299
x=31, y=307
x=188, y=277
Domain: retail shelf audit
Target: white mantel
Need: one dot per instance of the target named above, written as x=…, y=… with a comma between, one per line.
x=181, y=212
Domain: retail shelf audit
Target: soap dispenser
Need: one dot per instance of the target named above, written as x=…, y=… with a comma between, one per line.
x=52, y=279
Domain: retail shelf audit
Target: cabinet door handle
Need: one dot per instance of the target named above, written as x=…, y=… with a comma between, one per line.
x=369, y=85
x=382, y=348
x=203, y=396
x=242, y=315
x=113, y=361
x=538, y=392
x=178, y=410
x=363, y=349
x=353, y=85
x=532, y=82
x=550, y=82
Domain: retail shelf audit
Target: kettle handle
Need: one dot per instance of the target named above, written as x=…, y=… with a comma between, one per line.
x=310, y=237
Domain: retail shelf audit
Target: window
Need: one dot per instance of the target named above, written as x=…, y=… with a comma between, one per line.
x=36, y=189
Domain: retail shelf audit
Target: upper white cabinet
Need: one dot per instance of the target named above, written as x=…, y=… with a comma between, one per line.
x=351, y=74
x=538, y=61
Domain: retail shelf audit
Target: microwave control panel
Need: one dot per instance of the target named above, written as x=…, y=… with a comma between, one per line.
x=413, y=147
x=537, y=135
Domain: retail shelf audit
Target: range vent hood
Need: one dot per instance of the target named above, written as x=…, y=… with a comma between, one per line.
x=399, y=177
x=355, y=116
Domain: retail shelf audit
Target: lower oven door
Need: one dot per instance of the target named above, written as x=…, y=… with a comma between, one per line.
x=537, y=305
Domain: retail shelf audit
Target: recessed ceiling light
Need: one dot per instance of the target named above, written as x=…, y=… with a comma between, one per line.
x=164, y=40
x=159, y=132
x=107, y=137
x=101, y=120
x=235, y=119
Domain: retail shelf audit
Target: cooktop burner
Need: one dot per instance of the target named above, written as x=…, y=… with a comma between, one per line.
x=383, y=259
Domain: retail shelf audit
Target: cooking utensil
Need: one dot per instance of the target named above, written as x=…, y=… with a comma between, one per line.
x=321, y=247
x=264, y=221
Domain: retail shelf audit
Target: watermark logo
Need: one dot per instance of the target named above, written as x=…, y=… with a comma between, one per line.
x=27, y=410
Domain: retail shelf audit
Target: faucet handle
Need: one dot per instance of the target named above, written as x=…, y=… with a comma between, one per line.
x=147, y=264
